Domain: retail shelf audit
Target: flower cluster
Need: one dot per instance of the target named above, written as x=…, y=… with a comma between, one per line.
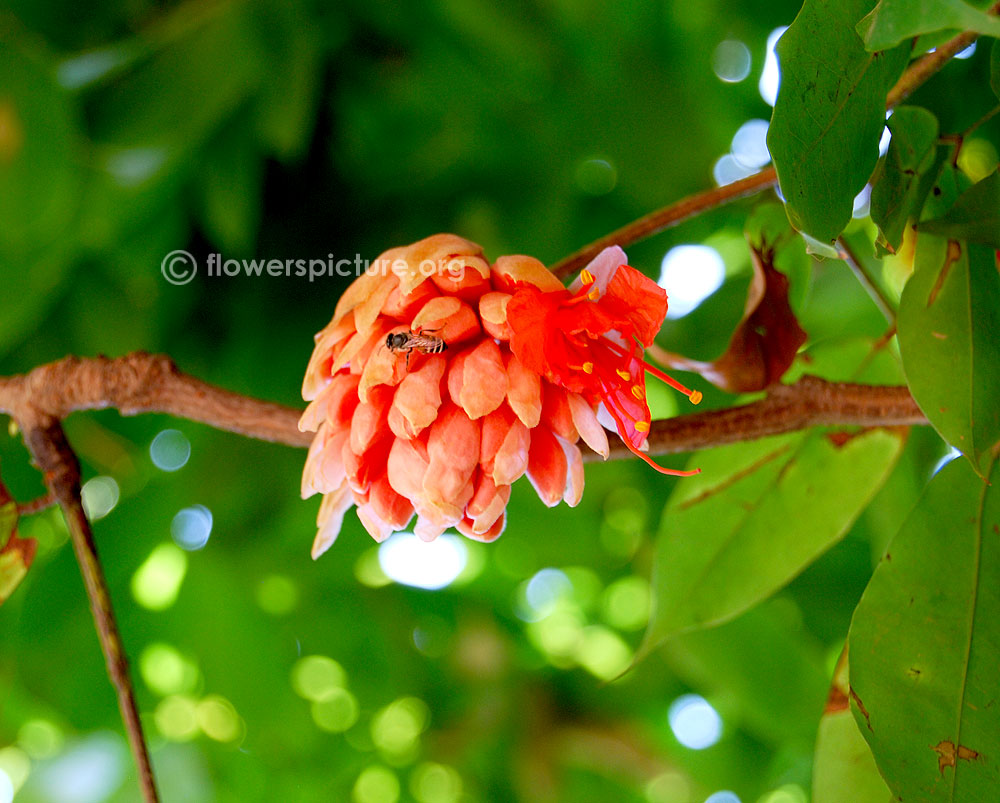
x=431, y=394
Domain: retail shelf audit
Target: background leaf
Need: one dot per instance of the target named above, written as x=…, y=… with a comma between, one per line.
x=949, y=315
x=924, y=647
x=892, y=21
x=829, y=114
x=975, y=216
x=900, y=187
x=756, y=516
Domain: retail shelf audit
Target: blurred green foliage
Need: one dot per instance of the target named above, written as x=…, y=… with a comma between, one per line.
x=301, y=129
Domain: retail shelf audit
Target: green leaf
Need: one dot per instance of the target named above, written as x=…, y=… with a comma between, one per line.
x=899, y=190
x=974, y=217
x=16, y=553
x=892, y=21
x=995, y=68
x=924, y=647
x=844, y=769
x=829, y=115
x=949, y=316
x=756, y=516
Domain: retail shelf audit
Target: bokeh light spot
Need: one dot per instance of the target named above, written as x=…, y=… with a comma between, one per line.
x=6, y=787
x=368, y=570
x=789, y=793
x=99, y=496
x=396, y=728
x=376, y=784
x=337, y=712
x=217, y=717
x=669, y=787
x=538, y=597
x=690, y=274
x=165, y=671
x=694, y=722
x=626, y=603
x=770, y=76
x=191, y=527
x=726, y=170
x=157, y=582
x=723, y=796
x=40, y=738
x=422, y=564
x=596, y=176
x=15, y=766
x=170, y=450
x=317, y=677
x=966, y=53
x=603, y=653
x=87, y=772
x=749, y=146
x=436, y=783
x=176, y=717
x=277, y=594
x=731, y=61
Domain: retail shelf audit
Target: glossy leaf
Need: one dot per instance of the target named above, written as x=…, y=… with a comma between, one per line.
x=829, y=114
x=924, y=647
x=756, y=516
x=899, y=189
x=974, y=217
x=844, y=769
x=765, y=341
x=949, y=316
x=893, y=21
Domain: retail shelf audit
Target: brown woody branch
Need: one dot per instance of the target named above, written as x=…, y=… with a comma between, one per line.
x=146, y=383
x=47, y=443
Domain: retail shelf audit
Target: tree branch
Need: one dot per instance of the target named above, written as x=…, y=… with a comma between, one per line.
x=655, y=222
x=45, y=439
x=145, y=383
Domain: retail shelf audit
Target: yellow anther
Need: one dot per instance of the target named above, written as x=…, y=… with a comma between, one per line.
x=624, y=374
x=637, y=392
x=586, y=277
x=695, y=396
x=593, y=295
x=641, y=426
x=588, y=368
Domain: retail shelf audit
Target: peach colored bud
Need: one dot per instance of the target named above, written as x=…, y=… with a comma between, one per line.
x=477, y=380
x=493, y=313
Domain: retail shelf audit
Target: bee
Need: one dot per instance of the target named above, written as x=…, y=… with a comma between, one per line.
x=408, y=342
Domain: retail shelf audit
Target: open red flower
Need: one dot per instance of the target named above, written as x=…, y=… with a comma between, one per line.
x=442, y=379
x=590, y=340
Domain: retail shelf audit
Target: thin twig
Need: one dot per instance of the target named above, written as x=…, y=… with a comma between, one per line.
x=871, y=286
x=655, y=222
x=46, y=440
x=36, y=505
x=924, y=67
